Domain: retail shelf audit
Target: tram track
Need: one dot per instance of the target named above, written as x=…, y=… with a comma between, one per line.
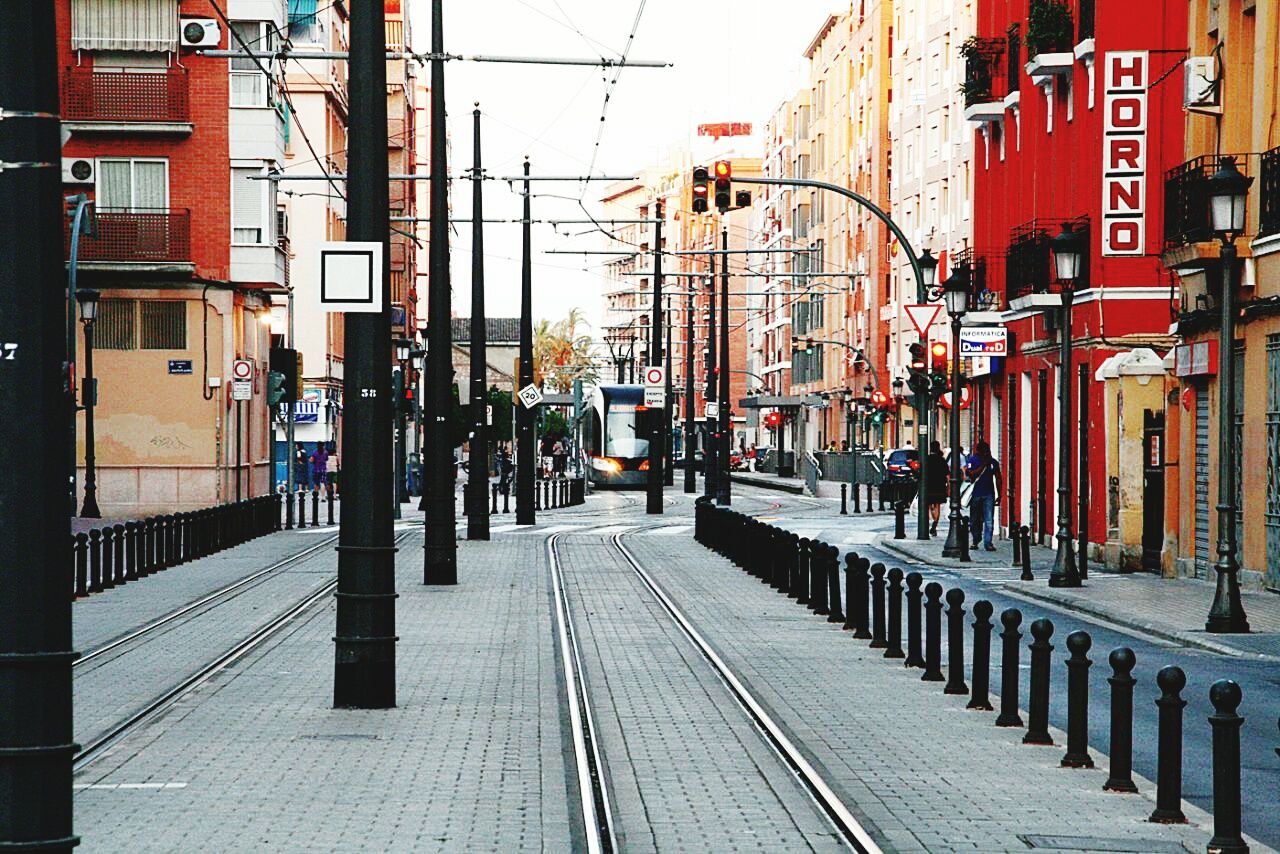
x=97, y=746
x=600, y=821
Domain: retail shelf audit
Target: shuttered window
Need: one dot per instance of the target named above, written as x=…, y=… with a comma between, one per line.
x=115, y=328
x=144, y=25
x=164, y=324
x=248, y=206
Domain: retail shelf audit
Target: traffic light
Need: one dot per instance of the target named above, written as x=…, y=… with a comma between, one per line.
x=918, y=380
x=724, y=178
x=879, y=407
x=700, y=180
x=288, y=362
x=773, y=420
x=408, y=402
x=275, y=388
x=938, y=366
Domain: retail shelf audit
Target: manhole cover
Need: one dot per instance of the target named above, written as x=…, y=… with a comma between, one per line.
x=1102, y=843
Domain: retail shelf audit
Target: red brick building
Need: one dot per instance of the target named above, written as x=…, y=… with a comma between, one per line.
x=1078, y=115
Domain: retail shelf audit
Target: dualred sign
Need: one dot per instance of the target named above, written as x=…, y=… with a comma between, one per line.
x=1124, y=152
x=716, y=130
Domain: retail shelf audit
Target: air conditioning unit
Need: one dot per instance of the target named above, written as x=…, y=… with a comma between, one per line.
x=199, y=32
x=1201, y=89
x=78, y=170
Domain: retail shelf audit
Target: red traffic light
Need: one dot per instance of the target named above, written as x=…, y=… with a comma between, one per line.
x=917, y=357
x=773, y=419
x=879, y=398
x=938, y=355
x=700, y=179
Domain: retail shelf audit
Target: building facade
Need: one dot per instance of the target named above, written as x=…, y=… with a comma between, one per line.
x=168, y=145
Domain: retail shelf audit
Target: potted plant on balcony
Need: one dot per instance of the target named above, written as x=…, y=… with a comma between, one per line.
x=979, y=101
x=1050, y=30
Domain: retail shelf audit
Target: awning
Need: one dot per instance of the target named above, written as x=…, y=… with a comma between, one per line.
x=142, y=25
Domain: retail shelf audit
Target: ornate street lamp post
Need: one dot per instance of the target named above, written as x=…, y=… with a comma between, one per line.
x=87, y=302
x=955, y=292
x=1069, y=249
x=928, y=278
x=1228, y=192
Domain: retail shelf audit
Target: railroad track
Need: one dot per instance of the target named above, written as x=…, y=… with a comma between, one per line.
x=96, y=747
x=591, y=761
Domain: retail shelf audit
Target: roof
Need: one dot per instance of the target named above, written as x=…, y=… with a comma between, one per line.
x=497, y=330
x=822, y=32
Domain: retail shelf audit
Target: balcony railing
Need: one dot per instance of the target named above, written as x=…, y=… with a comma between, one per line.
x=139, y=236
x=1013, y=55
x=1029, y=258
x=1084, y=24
x=1269, y=193
x=125, y=96
x=982, y=71
x=1186, y=196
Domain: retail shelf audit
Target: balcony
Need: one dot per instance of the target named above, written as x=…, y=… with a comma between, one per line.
x=1188, y=236
x=126, y=101
x=139, y=241
x=1050, y=37
x=982, y=89
x=1029, y=278
x=1269, y=194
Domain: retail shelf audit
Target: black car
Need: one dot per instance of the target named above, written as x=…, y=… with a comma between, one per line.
x=902, y=464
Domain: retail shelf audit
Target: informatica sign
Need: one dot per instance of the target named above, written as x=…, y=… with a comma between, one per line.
x=1124, y=152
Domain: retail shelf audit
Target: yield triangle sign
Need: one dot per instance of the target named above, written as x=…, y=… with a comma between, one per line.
x=922, y=316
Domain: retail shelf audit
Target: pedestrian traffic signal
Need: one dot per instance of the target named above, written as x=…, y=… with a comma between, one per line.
x=724, y=179
x=701, y=178
x=918, y=380
x=409, y=403
x=275, y=388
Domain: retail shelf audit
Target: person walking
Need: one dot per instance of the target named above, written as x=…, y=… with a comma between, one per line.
x=981, y=469
x=301, y=470
x=936, y=489
x=319, y=466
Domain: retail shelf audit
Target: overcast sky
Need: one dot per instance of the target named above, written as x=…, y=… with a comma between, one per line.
x=734, y=60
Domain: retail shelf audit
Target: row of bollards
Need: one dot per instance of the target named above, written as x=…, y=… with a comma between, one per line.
x=112, y=555
x=807, y=570
x=298, y=499
x=548, y=494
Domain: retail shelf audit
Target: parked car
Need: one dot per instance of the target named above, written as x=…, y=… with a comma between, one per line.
x=678, y=462
x=902, y=463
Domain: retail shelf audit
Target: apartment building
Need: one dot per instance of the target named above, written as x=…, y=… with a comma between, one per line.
x=185, y=249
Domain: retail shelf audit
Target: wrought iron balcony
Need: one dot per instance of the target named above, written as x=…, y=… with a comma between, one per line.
x=1029, y=258
x=1085, y=18
x=982, y=71
x=152, y=236
x=127, y=97
x=1269, y=193
x=1186, y=197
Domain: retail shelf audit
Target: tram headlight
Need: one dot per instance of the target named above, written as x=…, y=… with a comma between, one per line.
x=608, y=465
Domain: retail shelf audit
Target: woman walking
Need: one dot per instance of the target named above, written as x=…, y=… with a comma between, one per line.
x=936, y=488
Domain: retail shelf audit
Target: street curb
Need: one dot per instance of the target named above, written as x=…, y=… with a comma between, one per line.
x=765, y=484
x=1084, y=607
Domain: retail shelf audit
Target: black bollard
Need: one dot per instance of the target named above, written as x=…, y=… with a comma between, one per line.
x=81, y=549
x=1015, y=538
x=955, y=643
x=877, y=607
x=1225, y=696
x=1026, y=555
x=844, y=499
x=329, y=501
x=793, y=565
x=1078, y=664
x=861, y=585
x=495, y=502
x=870, y=506
x=315, y=507
x=1168, y=809
x=893, y=639
x=1120, y=776
x=979, y=697
x=1010, y=654
x=117, y=562
x=914, y=658
x=932, y=633
x=962, y=541
x=783, y=557
x=805, y=554
x=852, y=601
x=131, y=566
x=818, y=579
x=95, y=561
x=506, y=500
x=833, y=585
x=537, y=496
x=899, y=520
x=108, y=557
x=1038, y=702
x=857, y=502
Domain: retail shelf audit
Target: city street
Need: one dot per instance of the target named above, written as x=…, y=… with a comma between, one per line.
x=481, y=752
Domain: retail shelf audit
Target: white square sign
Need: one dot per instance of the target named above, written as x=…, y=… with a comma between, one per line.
x=350, y=277
x=655, y=398
x=530, y=396
x=713, y=409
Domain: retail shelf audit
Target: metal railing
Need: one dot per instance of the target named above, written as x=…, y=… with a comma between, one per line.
x=811, y=471
x=1269, y=193
x=1084, y=24
x=982, y=71
x=125, y=96
x=1186, y=196
x=1014, y=56
x=1029, y=259
x=149, y=235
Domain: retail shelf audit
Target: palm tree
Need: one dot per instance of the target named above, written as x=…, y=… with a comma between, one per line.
x=562, y=353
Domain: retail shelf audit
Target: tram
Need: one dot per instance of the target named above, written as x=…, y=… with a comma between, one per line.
x=617, y=449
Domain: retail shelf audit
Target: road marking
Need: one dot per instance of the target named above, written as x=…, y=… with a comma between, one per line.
x=152, y=786
x=669, y=530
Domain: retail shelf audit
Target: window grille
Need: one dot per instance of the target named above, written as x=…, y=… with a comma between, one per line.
x=164, y=324
x=114, y=328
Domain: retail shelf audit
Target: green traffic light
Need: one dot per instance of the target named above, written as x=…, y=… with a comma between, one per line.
x=275, y=388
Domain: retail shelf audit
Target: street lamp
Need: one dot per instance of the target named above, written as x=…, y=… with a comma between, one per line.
x=1228, y=192
x=1069, y=248
x=928, y=268
x=955, y=294
x=87, y=303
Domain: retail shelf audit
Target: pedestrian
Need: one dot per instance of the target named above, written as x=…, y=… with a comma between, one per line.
x=301, y=469
x=936, y=487
x=506, y=470
x=982, y=470
x=319, y=466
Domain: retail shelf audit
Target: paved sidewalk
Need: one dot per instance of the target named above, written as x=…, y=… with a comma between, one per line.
x=1169, y=608
x=924, y=773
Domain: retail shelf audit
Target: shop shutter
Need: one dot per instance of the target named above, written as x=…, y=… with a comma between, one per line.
x=1273, y=462
x=141, y=25
x=1203, y=555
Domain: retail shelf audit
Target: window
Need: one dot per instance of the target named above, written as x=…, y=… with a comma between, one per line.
x=115, y=328
x=252, y=208
x=249, y=86
x=142, y=25
x=164, y=324
x=133, y=184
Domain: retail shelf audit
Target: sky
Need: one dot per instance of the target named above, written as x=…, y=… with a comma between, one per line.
x=733, y=60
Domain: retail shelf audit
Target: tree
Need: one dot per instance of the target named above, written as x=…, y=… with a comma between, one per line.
x=562, y=353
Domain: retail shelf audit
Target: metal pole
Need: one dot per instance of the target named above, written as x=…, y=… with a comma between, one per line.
x=525, y=449
x=398, y=380
x=36, y=746
x=1082, y=491
x=82, y=202
x=290, y=449
x=957, y=544
x=711, y=471
x=364, y=643
x=668, y=419
x=723, y=493
x=478, y=473
x=653, y=498
x=440, y=564
x=90, y=394
x=1064, y=572
x=1226, y=615
x=690, y=476
x=239, y=449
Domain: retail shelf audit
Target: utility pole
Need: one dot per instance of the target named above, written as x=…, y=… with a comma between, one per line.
x=477, y=498
x=440, y=564
x=710, y=467
x=690, y=476
x=723, y=493
x=364, y=664
x=668, y=419
x=290, y=442
x=653, y=503
x=525, y=450
x=36, y=745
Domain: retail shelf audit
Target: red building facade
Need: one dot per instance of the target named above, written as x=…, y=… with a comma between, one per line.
x=1077, y=116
